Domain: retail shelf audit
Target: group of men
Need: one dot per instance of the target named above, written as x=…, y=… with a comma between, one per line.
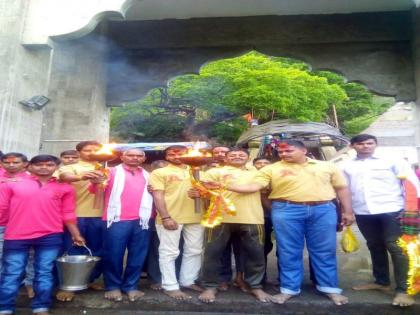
x=150, y=217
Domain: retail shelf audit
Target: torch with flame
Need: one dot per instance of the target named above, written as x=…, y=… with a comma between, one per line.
x=196, y=158
x=102, y=156
x=213, y=216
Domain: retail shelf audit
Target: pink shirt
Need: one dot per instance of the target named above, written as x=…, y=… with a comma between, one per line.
x=131, y=196
x=6, y=177
x=35, y=210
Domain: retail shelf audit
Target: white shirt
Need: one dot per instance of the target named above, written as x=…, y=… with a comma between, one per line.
x=376, y=186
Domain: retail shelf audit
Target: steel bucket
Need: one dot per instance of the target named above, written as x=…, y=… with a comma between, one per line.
x=74, y=270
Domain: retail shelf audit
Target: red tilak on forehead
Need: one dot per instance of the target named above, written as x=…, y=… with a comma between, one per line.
x=12, y=159
x=283, y=145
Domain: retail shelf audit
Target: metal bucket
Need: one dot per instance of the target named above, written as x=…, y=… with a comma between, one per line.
x=74, y=270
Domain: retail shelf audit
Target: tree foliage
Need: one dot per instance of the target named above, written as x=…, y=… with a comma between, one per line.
x=212, y=103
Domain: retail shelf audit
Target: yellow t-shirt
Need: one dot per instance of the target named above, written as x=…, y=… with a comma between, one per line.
x=175, y=182
x=248, y=205
x=84, y=199
x=313, y=181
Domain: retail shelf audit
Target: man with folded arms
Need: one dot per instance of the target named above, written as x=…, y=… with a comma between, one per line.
x=128, y=207
x=302, y=190
x=37, y=208
x=176, y=216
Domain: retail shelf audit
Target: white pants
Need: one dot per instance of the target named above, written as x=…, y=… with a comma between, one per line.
x=169, y=250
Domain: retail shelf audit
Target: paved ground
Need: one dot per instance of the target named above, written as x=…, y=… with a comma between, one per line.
x=354, y=269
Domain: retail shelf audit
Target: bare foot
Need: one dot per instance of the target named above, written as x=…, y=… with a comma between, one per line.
x=134, y=295
x=281, y=298
x=402, y=300
x=65, y=296
x=113, y=295
x=241, y=284
x=194, y=287
x=208, y=296
x=156, y=286
x=223, y=286
x=30, y=291
x=262, y=296
x=371, y=286
x=338, y=299
x=96, y=286
x=177, y=295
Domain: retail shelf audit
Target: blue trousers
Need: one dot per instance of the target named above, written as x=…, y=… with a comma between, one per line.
x=293, y=224
x=119, y=237
x=93, y=230
x=15, y=258
x=29, y=278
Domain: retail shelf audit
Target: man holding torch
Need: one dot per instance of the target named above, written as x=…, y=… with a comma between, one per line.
x=89, y=218
x=176, y=215
x=247, y=226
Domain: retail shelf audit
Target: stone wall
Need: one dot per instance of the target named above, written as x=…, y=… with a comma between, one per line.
x=77, y=90
x=152, y=52
x=416, y=71
x=23, y=74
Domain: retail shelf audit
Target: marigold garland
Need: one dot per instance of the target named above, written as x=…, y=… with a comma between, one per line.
x=219, y=204
x=410, y=245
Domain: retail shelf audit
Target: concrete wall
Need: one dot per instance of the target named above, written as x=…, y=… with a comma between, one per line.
x=23, y=74
x=77, y=91
x=152, y=52
x=71, y=74
x=82, y=76
x=66, y=19
x=416, y=71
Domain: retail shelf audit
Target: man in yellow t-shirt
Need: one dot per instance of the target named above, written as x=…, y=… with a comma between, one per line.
x=89, y=219
x=247, y=226
x=219, y=160
x=176, y=216
x=302, y=190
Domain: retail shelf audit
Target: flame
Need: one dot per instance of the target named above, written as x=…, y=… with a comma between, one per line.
x=195, y=151
x=106, y=149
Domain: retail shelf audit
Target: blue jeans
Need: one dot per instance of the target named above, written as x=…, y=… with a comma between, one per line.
x=29, y=278
x=93, y=230
x=293, y=224
x=119, y=237
x=15, y=258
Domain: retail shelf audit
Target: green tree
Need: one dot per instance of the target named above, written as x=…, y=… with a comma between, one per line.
x=361, y=107
x=211, y=104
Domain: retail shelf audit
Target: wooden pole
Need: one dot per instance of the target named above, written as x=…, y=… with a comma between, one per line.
x=335, y=116
x=197, y=201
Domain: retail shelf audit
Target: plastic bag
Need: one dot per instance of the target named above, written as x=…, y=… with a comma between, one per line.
x=349, y=242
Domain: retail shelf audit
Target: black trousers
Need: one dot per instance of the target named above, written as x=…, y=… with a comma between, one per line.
x=381, y=232
x=251, y=238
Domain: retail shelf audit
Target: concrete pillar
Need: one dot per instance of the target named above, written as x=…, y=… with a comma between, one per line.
x=23, y=74
x=416, y=64
x=77, y=88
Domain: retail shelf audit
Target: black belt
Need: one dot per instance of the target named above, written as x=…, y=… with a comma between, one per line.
x=302, y=203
